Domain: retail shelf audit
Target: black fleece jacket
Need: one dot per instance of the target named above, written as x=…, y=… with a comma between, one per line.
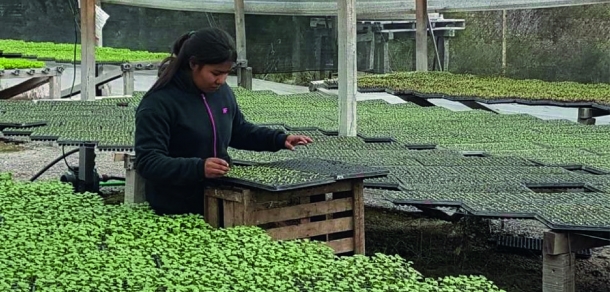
x=177, y=128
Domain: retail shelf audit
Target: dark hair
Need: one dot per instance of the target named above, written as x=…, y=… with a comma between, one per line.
x=208, y=46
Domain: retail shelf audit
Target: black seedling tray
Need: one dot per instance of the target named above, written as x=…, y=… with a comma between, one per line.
x=278, y=188
x=421, y=146
x=382, y=185
x=115, y=148
x=75, y=142
x=12, y=55
x=335, y=169
x=520, y=244
x=23, y=125
x=376, y=139
x=44, y=138
x=329, y=132
x=17, y=133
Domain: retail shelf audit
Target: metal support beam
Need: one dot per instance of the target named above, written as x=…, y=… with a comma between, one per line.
x=87, y=20
x=347, y=67
x=421, y=36
x=86, y=168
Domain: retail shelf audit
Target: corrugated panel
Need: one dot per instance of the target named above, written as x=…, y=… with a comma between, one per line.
x=394, y=9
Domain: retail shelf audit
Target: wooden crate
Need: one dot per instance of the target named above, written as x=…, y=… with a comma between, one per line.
x=332, y=213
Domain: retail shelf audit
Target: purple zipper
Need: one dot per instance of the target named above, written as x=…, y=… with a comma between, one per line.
x=212, y=120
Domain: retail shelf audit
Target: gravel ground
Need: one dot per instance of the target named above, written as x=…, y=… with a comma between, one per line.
x=26, y=163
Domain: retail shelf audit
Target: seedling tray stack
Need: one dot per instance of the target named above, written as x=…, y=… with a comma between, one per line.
x=326, y=206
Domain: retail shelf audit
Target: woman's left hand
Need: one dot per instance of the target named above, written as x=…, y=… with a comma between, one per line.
x=294, y=140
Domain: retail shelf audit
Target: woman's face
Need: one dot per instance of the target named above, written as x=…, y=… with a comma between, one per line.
x=210, y=77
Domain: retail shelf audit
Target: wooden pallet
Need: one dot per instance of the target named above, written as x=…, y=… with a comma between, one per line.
x=333, y=214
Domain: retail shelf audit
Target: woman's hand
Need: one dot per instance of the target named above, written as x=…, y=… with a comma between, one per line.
x=294, y=140
x=215, y=167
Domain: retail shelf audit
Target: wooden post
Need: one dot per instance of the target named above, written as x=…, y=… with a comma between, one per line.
x=247, y=78
x=382, y=54
x=347, y=67
x=372, y=44
x=558, y=260
x=586, y=116
x=446, y=54
x=296, y=48
x=134, y=183
x=55, y=87
x=504, y=42
x=240, y=42
x=421, y=35
x=87, y=20
x=128, y=81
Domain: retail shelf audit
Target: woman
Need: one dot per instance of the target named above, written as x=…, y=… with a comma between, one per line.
x=188, y=119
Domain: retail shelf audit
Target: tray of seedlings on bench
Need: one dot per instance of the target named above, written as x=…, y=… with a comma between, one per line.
x=336, y=169
x=273, y=179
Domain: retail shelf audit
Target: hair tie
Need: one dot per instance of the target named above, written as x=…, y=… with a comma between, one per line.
x=191, y=33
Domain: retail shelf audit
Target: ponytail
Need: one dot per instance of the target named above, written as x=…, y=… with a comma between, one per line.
x=170, y=65
x=208, y=46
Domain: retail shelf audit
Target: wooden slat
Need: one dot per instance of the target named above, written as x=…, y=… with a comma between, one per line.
x=358, y=189
x=211, y=206
x=225, y=194
x=304, y=200
x=341, y=245
x=228, y=214
x=340, y=186
x=302, y=211
x=311, y=229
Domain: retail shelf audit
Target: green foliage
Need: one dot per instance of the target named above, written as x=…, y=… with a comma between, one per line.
x=56, y=240
x=464, y=85
x=6, y=63
x=64, y=53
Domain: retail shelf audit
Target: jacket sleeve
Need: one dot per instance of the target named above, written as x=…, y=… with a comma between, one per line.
x=152, y=137
x=247, y=136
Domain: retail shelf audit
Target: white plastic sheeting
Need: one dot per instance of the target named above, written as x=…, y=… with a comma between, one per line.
x=365, y=8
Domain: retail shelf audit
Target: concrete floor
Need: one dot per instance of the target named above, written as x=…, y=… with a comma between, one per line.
x=144, y=79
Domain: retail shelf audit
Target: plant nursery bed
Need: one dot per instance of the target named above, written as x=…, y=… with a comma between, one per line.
x=335, y=169
x=272, y=179
x=333, y=213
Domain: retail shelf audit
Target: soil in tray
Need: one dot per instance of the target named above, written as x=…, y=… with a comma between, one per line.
x=272, y=178
x=335, y=169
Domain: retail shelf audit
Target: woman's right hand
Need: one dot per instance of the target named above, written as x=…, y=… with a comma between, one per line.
x=215, y=167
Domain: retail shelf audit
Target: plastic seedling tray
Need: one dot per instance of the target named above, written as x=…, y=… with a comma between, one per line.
x=44, y=138
x=421, y=146
x=75, y=142
x=520, y=244
x=115, y=147
x=276, y=188
x=335, y=169
x=17, y=133
x=382, y=185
